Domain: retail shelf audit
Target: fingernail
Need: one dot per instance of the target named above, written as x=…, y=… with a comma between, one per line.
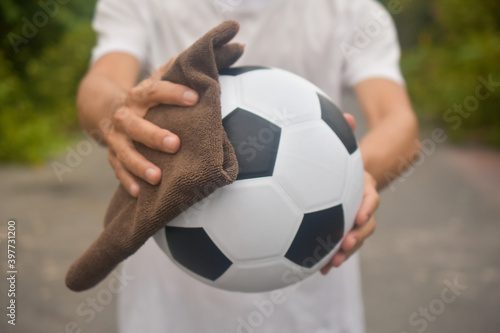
x=190, y=96
x=134, y=190
x=150, y=175
x=169, y=143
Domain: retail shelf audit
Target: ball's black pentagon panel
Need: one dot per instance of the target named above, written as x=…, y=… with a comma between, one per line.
x=318, y=234
x=334, y=118
x=255, y=141
x=193, y=248
x=234, y=71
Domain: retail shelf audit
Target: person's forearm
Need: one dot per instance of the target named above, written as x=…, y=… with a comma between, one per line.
x=98, y=96
x=389, y=146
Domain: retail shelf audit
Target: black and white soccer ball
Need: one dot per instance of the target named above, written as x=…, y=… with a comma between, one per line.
x=299, y=187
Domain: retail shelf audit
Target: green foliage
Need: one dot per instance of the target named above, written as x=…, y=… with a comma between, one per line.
x=459, y=18
x=39, y=82
x=412, y=18
x=447, y=45
x=461, y=42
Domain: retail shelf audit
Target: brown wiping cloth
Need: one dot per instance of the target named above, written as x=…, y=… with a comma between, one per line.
x=205, y=161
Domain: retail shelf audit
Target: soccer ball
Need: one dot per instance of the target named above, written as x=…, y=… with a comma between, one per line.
x=298, y=189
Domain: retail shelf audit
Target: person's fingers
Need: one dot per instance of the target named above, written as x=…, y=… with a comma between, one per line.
x=361, y=234
x=123, y=175
x=135, y=162
x=354, y=239
x=325, y=269
x=153, y=136
x=350, y=120
x=350, y=240
x=175, y=94
x=364, y=224
x=351, y=243
x=145, y=132
x=149, y=93
x=128, y=124
x=370, y=202
x=366, y=231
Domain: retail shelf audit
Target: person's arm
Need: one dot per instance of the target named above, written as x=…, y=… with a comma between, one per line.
x=387, y=147
x=112, y=107
x=392, y=139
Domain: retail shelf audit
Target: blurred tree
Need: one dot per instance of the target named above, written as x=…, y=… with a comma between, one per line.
x=45, y=52
x=443, y=59
x=412, y=18
x=46, y=48
x=31, y=26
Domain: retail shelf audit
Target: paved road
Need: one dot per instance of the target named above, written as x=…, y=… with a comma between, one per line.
x=433, y=264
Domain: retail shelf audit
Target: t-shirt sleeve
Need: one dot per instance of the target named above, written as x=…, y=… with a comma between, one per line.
x=120, y=28
x=370, y=45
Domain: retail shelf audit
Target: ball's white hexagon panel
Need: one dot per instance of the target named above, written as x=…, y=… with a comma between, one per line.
x=229, y=94
x=260, y=92
x=311, y=165
x=353, y=191
x=259, y=276
x=252, y=219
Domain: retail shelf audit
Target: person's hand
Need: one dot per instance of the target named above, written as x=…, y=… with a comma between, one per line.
x=364, y=223
x=128, y=124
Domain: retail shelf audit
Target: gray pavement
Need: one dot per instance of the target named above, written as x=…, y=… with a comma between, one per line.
x=433, y=264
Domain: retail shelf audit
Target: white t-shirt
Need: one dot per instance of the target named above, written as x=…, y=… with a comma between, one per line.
x=334, y=44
